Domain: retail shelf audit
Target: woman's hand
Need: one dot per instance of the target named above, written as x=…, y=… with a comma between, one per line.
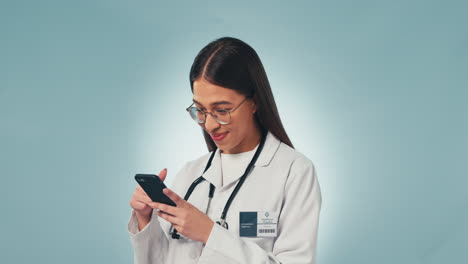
x=139, y=202
x=186, y=218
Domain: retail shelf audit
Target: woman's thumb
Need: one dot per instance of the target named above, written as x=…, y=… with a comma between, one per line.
x=162, y=174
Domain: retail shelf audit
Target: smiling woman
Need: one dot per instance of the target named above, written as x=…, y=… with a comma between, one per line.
x=230, y=68
x=232, y=126
x=250, y=156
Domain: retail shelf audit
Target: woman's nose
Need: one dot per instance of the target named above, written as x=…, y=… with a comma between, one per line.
x=210, y=123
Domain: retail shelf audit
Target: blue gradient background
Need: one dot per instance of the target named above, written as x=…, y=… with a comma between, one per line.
x=374, y=92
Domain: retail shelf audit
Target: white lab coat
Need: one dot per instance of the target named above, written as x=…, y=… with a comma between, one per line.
x=282, y=180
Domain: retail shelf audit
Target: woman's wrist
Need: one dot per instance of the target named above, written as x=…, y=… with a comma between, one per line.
x=207, y=236
x=142, y=220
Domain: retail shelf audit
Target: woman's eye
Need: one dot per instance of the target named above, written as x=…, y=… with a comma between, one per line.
x=222, y=111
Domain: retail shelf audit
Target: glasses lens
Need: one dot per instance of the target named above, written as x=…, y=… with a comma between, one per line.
x=197, y=115
x=222, y=116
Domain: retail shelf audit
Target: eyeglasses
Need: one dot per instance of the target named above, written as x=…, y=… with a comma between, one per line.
x=221, y=115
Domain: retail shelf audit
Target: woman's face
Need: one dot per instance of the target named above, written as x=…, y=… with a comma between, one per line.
x=241, y=134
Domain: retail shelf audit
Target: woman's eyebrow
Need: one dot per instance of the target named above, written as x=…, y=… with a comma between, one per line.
x=214, y=103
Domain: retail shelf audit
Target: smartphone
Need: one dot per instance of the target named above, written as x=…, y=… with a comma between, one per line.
x=153, y=186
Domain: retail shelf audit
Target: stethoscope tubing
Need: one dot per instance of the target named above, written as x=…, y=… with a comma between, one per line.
x=200, y=179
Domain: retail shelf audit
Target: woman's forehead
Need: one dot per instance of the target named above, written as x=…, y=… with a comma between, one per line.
x=207, y=93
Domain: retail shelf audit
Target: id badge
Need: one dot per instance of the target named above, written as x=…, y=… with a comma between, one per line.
x=258, y=224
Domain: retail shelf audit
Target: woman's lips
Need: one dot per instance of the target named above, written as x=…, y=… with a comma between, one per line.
x=218, y=136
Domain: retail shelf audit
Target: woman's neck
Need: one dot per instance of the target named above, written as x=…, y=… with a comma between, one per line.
x=249, y=143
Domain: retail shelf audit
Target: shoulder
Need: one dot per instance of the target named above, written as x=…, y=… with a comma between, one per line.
x=302, y=175
x=197, y=164
x=301, y=169
x=294, y=158
x=189, y=171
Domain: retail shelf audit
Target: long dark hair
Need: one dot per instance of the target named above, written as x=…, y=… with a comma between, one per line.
x=233, y=64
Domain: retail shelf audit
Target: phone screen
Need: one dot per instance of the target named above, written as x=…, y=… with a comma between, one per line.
x=153, y=186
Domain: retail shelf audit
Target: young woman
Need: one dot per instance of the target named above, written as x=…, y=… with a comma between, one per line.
x=253, y=198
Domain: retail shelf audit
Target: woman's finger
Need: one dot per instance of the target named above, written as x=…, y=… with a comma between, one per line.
x=143, y=198
x=173, y=196
x=166, y=208
x=162, y=174
x=140, y=190
x=137, y=205
x=170, y=218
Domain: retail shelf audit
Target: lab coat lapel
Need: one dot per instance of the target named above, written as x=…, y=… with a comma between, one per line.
x=272, y=144
x=214, y=173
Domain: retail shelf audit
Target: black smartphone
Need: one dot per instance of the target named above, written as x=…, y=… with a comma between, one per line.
x=153, y=186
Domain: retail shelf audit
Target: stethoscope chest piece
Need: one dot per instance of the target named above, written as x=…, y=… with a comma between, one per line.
x=223, y=223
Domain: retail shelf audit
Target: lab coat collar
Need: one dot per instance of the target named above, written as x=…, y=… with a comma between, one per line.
x=214, y=173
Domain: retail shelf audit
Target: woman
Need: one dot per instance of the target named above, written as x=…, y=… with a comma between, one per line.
x=258, y=199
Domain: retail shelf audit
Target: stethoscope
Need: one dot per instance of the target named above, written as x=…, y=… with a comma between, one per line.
x=222, y=222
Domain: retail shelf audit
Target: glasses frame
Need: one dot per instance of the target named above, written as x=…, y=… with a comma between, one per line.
x=214, y=115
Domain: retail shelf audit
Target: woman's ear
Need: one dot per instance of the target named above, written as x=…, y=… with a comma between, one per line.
x=254, y=107
x=253, y=102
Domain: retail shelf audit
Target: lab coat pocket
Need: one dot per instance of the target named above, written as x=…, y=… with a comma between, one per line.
x=266, y=243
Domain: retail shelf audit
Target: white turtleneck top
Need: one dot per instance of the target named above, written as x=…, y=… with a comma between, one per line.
x=233, y=165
